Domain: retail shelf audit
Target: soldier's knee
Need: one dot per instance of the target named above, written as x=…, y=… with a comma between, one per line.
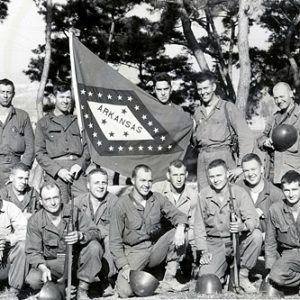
x=94, y=248
x=34, y=279
x=276, y=276
x=257, y=237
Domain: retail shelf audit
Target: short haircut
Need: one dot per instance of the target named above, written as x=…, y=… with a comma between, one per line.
x=161, y=77
x=138, y=167
x=20, y=166
x=61, y=88
x=97, y=171
x=286, y=85
x=289, y=177
x=6, y=81
x=176, y=164
x=49, y=186
x=205, y=75
x=217, y=163
x=251, y=156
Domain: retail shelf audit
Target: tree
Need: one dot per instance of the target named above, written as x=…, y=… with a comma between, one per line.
x=3, y=9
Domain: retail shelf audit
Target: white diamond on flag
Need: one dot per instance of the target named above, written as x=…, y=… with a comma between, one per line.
x=117, y=122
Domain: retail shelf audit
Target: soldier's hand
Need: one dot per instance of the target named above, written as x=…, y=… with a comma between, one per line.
x=72, y=237
x=206, y=258
x=2, y=243
x=237, y=226
x=125, y=272
x=269, y=143
x=46, y=273
x=235, y=173
x=179, y=236
x=75, y=171
x=65, y=175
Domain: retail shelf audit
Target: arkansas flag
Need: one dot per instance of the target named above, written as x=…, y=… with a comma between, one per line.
x=124, y=125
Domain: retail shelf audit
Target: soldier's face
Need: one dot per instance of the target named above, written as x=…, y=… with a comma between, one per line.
x=97, y=185
x=282, y=97
x=63, y=101
x=206, y=90
x=51, y=200
x=177, y=177
x=291, y=192
x=143, y=182
x=6, y=95
x=218, y=177
x=253, y=172
x=19, y=180
x=163, y=91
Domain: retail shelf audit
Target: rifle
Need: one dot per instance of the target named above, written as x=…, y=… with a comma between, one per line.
x=67, y=275
x=234, y=284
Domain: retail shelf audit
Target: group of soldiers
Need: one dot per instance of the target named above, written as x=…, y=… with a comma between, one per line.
x=151, y=224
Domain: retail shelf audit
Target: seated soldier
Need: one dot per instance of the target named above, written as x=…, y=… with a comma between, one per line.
x=97, y=204
x=12, y=247
x=136, y=242
x=213, y=227
x=181, y=195
x=19, y=192
x=282, y=234
x=47, y=239
x=262, y=192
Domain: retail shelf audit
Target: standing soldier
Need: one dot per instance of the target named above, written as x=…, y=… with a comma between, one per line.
x=19, y=192
x=60, y=149
x=16, y=134
x=216, y=123
x=288, y=113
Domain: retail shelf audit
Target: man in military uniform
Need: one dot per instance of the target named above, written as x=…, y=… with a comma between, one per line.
x=214, y=227
x=136, y=239
x=60, y=149
x=216, y=121
x=16, y=134
x=19, y=192
x=262, y=192
x=48, y=236
x=288, y=113
x=98, y=204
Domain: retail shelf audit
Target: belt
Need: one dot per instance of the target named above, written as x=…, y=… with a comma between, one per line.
x=67, y=157
x=213, y=148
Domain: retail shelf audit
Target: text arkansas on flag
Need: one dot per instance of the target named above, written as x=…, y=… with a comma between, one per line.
x=124, y=125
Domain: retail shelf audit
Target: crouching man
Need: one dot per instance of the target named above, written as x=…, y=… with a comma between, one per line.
x=213, y=227
x=135, y=240
x=47, y=239
x=283, y=235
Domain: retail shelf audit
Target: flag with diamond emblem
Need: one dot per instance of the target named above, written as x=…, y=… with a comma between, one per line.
x=124, y=125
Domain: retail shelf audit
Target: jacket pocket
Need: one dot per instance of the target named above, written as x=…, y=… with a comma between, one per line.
x=50, y=249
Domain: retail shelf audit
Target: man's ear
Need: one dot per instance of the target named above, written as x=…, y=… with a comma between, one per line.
x=11, y=176
x=168, y=175
x=214, y=86
x=186, y=174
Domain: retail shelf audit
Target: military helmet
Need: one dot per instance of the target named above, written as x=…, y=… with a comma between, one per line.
x=142, y=283
x=50, y=291
x=269, y=290
x=284, y=136
x=208, y=284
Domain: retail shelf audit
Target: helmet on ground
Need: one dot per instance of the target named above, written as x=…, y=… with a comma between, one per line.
x=284, y=136
x=142, y=283
x=270, y=291
x=50, y=291
x=208, y=284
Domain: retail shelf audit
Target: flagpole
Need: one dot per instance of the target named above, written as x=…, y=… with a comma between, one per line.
x=74, y=81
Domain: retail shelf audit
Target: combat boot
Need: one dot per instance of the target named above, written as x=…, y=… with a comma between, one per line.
x=82, y=291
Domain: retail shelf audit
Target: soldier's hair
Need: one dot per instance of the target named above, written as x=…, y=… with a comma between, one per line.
x=20, y=166
x=286, y=85
x=6, y=81
x=176, y=164
x=251, y=156
x=61, y=88
x=49, y=186
x=96, y=171
x=217, y=163
x=161, y=77
x=205, y=75
x=138, y=167
x=289, y=177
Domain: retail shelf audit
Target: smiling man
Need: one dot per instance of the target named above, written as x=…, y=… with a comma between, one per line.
x=137, y=241
x=212, y=133
x=60, y=149
x=213, y=227
x=262, y=192
x=288, y=113
x=283, y=235
x=16, y=134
